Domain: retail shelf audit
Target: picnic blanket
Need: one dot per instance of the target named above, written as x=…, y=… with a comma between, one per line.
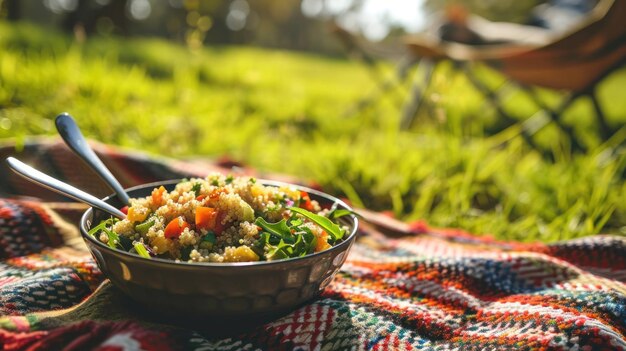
x=421, y=288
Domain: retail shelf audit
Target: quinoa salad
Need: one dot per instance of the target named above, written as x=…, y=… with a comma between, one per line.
x=223, y=219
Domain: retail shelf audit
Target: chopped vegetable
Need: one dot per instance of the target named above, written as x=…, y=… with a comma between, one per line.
x=209, y=237
x=157, y=196
x=141, y=250
x=219, y=223
x=185, y=252
x=305, y=201
x=143, y=228
x=322, y=242
x=241, y=254
x=205, y=218
x=175, y=228
x=207, y=241
x=137, y=215
x=248, y=211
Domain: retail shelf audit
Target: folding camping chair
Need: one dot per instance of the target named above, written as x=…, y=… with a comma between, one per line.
x=369, y=56
x=574, y=62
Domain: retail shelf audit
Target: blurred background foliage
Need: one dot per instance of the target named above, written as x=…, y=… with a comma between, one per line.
x=211, y=78
x=293, y=24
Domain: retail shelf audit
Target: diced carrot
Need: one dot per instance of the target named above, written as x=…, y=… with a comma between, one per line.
x=205, y=218
x=200, y=197
x=124, y=210
x=175, y=227
x=157, y=196
x=306, y=201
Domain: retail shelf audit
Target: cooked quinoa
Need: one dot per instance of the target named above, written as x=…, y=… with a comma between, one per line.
x=223, y=219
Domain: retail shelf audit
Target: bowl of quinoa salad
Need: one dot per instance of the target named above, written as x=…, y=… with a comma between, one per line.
x=222, y=245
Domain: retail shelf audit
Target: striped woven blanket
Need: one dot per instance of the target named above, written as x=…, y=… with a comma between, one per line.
x=403, y=287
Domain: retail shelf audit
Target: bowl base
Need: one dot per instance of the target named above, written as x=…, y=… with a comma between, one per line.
x=109, y=304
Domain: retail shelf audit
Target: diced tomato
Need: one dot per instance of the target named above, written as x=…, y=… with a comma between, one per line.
x=200, y=197
x=219, y=226
x=306, y=201
x=205, y=218
x=217, y=193
x=175, y=227
x=157, y=196
x=124, y=210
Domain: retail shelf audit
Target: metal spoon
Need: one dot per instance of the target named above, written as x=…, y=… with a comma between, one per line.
x=76, y=141
x=53, y=184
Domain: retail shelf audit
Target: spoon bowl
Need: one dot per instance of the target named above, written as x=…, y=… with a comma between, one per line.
x=71, y=134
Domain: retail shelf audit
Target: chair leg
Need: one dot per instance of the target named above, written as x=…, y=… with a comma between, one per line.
x=490, y=94
x=383, y=87
x=552, y=113
x=605, y=130
x=555, y=116
x=416, y=98
x=492, y=97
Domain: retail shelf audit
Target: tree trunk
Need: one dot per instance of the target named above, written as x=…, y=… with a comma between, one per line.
x=14, y=12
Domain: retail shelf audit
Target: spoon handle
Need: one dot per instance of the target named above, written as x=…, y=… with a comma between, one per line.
x=62, y=188
x=76, y=141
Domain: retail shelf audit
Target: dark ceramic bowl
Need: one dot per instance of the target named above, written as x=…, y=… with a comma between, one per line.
x=230, y=290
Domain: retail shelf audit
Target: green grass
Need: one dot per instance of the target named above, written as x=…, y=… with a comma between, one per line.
x=284, y=112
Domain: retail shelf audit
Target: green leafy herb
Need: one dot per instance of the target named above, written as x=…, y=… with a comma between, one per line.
x=284, y=239
x=207, y=241
x=141, y=250
x=229, y=179
x=335, y=232
x=336, y=212
x=196, y=188
x=185, y=252
x=279, y=229
x=280, y=251
x=113, y=238
x=259, y=246
x=210, y=237
x=295, y=221
x=108, y=222
x=310, y=240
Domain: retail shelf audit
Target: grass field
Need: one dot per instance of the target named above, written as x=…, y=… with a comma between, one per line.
x=285, y=112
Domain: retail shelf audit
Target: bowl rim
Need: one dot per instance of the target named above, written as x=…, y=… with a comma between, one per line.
x=339, y=247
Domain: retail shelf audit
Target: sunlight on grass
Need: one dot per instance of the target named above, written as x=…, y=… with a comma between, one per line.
x=284, y=112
